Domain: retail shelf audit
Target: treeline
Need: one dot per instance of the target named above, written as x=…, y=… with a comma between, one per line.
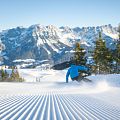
x=10, y=75
x=105, y=60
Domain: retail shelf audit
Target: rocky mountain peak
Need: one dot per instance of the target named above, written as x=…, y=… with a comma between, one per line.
x=48, y=42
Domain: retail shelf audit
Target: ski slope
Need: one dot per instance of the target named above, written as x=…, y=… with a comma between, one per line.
x=46, y=96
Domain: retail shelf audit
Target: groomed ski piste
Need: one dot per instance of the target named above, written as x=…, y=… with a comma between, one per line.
x=45, y=96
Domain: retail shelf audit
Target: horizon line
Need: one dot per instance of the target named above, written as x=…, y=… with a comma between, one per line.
x=27, y=26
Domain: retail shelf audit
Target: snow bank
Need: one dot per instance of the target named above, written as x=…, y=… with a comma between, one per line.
x=24, y=60
x=53, y=80
x=31, y=75
x=110, y=79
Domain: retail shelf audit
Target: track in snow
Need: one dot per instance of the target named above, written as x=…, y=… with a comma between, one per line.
x=52, y=106
x=53, y=99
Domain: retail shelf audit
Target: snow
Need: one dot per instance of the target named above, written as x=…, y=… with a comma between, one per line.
x=114, y=36
x=112, y=79
x=45, y=95
x=110, y=32
x=71, y=51
x=24, y=60
x=50, y=43
x=84, y=43
x=47, y=50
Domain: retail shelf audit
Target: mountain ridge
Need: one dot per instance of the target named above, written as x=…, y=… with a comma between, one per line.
x=52, y=43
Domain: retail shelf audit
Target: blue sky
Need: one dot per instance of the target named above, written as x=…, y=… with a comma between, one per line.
x=71, y=13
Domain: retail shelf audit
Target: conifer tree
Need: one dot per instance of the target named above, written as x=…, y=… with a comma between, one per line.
x=102, y=56
x=79, y=55
x=118, y=51
x=2, y=47
x=15, y=75
x=2, y=74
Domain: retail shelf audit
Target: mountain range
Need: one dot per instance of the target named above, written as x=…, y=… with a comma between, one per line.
x=52, y=44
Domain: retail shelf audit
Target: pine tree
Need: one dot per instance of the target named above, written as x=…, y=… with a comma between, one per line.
x=2, y=47
x=118, y=52
x=2, y=74
x=109, y=61
x=102, y=56
x=15, y=75
x=79, y=55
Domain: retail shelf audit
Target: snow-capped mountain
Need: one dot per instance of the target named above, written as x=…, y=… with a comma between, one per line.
x=51, y=43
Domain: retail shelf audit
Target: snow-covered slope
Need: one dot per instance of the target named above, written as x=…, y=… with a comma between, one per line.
x=48, y=42
x=50, y=98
